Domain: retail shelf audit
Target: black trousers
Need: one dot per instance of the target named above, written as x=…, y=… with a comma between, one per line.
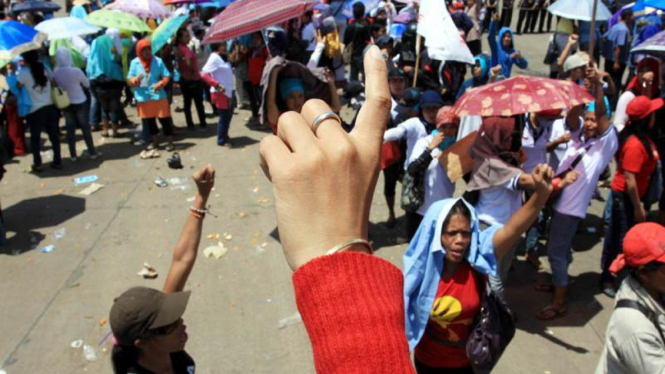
x=254, y=93
x=525, y=15
x=193, y=90
x=506, y=16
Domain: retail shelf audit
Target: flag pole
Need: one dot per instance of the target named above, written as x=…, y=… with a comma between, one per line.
x=592, y=37
x=415, y=71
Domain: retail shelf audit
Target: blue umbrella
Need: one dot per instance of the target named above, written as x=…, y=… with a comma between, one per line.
x=215, y=4
x=16, y=38
x=165, y=31
x=35, y=6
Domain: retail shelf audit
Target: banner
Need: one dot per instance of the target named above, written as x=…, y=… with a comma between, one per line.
x=442, y=38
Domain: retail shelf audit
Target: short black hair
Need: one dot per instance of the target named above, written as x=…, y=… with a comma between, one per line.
x=626, y=13
x=358, y=10
x=459, y=208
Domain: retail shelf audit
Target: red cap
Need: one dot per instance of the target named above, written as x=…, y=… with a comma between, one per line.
x=641, y=106
x=642, y=244
x=446, y=115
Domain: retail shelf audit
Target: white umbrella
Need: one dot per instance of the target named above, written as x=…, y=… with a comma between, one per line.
x=66, y=27
x=581, y=10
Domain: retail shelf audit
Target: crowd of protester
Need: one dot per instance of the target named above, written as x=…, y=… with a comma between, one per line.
x=533, y=173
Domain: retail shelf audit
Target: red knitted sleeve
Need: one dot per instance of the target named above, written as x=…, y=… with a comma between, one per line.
x=353, y=309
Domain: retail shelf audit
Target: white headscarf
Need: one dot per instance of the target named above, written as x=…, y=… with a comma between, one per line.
x=115, y=35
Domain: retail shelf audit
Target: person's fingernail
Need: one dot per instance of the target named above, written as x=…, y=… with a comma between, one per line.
x=377, y=54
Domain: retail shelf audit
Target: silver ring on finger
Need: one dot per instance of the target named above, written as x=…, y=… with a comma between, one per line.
x=322, y=117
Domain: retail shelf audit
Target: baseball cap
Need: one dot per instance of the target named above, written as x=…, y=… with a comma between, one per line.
x=395, y=72
x=430, y=98
x=383, y=41
x=575, y=61
x=141, y=309
x=643, y=243
x=641, y=106
x=446, y=115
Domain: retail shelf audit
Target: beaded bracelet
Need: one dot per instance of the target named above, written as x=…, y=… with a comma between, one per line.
x=343, y=246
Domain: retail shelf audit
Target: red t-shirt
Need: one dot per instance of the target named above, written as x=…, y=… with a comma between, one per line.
x=451, y=319
x=255, y=64
x=634, y=158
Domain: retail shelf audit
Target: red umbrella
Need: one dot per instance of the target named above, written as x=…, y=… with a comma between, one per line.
x=247, y=16
x=520, y=94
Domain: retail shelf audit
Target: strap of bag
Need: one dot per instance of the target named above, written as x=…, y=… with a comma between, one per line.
x=651, y=316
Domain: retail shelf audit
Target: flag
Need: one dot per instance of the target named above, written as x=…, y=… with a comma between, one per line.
x=442, y=38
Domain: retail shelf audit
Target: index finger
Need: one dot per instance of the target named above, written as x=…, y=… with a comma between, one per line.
x=373, y=116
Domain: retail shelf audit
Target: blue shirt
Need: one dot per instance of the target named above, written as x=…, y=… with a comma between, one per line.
x=144, y=92
x=617, y=36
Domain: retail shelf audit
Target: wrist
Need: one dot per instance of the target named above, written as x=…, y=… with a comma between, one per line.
x=200, y=201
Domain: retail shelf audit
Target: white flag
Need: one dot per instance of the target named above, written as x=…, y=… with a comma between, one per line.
x=442, y=38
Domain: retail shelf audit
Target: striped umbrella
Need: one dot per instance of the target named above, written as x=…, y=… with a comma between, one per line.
x=247, y=16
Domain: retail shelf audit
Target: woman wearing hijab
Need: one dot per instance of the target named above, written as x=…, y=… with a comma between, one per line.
x=104, y=70
x=646, y=83
x=480, y=75
x=445, y=267
x=424, y=159
x=218, y=74
x=148, y=330
x=411, y=130
x=73, y=81
x=148, y=75
x=503, y=49
x=43, y=114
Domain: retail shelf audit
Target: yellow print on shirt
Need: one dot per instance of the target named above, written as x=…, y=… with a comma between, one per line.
x=445, y=311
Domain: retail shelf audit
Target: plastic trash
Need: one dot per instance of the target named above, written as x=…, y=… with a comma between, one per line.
x=2, y=371
x=89, y=353
x=216, y=251
x=91, y=189
x=47, y=249
x=85, y=179
x=60, y=233
x=160, y=182
x=148, y=272
x=77, y=344
x=288, y=321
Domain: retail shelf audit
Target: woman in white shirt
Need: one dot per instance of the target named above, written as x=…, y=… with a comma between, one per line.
x=218, y=74
x=43, y=113
x=72, y=80
x=424, y=160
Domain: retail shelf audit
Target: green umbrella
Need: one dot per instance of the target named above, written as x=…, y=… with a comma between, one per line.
x=165, y=31
x=117, y=20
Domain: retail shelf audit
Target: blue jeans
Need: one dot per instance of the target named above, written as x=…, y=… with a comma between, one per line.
x=76, y=115
x=225, y=116
x=621, y=220
x=560, y=245
x=45, y=118
x=535, y=231
x=95, y=109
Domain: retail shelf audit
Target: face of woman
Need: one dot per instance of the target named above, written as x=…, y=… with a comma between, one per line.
x=507, y=40
x=185, y=38
x=590, y=128
x=448, y=129
x=295, y=101
x=146, y=53
x=429, y=114
x=577, y=74
x=456, y=238
x=477, y=70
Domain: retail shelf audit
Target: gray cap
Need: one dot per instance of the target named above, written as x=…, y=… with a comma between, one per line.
x=575, y=61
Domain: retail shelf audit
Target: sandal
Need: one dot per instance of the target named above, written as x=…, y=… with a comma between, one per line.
x=550, y=312
x=105, y=135
x=544, y=287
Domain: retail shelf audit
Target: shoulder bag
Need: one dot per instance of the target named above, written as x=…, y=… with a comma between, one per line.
x=493, y=330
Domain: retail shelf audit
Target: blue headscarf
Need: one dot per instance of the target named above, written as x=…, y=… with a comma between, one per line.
x=289, y=85
x=592, y=107
x=424, y=262
x=78, y=11
x=101, y=60
x=482, y=60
